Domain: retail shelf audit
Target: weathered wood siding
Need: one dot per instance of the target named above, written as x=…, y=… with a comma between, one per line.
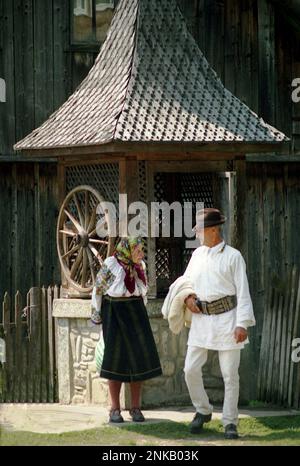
x=271, y=240
x=279, y=373
x=39, y=65
x=27, y=327
x=254, y=46
x=28, y=216
x=251, y=45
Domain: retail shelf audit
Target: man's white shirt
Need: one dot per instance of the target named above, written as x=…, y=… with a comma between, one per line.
x=215, y=273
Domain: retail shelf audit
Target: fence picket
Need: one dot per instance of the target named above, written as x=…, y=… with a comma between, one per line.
x=18, y=348
x=270, y=363
x=292, y=293
x=25, y=354
x=51, y=294
x=263, y=366
x=294, y=375
x=29, y=370
x=7, y=384
x=35, y=341
x=276, y=369
x=44, y=346
x=279, y=376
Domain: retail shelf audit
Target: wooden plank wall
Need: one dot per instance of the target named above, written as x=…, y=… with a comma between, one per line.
x=272, y=218
x=38, y=64
x=256, y=53
x=28, y=216
x=287, y=45
x=279, y=375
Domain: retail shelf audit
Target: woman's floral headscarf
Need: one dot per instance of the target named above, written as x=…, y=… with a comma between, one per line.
x=123, y=254
x=105, y=278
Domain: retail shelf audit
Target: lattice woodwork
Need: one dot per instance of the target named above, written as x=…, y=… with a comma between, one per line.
x=162, y=263
x=196, y=187
x=143, y=188
x=193, y=187
x=103, y=177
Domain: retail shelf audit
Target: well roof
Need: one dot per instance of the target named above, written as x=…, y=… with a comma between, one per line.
x=150, y=83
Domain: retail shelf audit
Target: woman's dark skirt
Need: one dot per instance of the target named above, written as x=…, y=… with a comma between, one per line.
x=130, y=353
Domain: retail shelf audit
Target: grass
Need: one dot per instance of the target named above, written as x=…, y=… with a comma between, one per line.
x=261, y=405
x=281, y=430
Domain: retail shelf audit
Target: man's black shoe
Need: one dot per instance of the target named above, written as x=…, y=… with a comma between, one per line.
x=198, y=421
x=231, y=432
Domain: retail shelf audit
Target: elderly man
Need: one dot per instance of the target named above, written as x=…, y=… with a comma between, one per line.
x=221, y=313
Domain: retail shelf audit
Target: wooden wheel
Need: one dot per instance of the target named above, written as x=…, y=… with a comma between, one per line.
x=80, y=250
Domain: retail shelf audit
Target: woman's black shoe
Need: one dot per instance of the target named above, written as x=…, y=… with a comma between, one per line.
x=115, y=416
x=137, y=415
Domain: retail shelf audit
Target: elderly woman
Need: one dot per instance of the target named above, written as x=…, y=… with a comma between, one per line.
x=118, y=301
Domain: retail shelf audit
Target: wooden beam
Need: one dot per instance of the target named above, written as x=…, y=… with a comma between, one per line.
x=185, y=156
x=26, y=159
x=90, y=160
x=61, y=184
x=128, y=184
x=269, y=158
x=188, y=166
x=128, y=180
x=240, y=208
x=152, y=292
x=145, y=149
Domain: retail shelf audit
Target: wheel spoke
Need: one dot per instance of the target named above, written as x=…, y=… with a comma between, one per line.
x=98, y=241
x=77, y=276
x=79, y=210
x=86, y=220
x=74, y=221
x=84, y=268
x=90, y=257
x=92, y=220
x=92, y=232
x=94, y=250
x=74, y=249
x=76, y=264
x=68, y=232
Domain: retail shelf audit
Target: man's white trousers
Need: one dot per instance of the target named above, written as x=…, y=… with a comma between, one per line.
x=229, y=363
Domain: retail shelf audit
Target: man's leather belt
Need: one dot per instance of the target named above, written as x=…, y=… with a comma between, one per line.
x=219, y=306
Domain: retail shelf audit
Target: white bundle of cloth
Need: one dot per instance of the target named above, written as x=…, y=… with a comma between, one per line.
x=174, y=308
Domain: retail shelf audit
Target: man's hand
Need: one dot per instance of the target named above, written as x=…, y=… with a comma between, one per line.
x=240, y=334
x=190, y=303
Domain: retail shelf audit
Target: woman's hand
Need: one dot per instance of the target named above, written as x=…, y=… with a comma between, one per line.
x=190, y=303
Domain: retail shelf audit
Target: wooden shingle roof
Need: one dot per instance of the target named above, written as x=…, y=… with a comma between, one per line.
x=150, y=82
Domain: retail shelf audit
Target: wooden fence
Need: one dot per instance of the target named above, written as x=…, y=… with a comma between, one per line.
x=29, y=372
x=279, y=375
